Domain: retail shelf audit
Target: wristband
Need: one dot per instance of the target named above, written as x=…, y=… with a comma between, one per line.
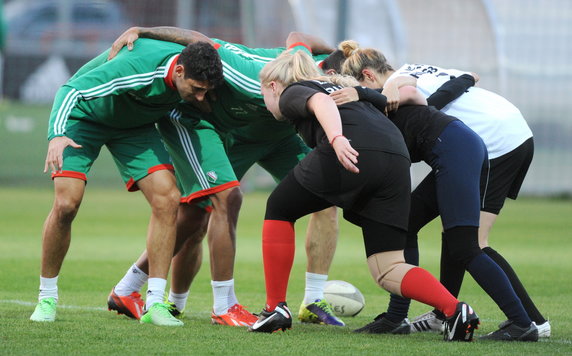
x=333, y=139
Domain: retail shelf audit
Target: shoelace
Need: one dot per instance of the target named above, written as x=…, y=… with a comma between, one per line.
x=325, y=306
x=171, y=307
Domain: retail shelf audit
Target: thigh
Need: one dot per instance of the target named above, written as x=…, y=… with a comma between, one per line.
x=459, y=155
x=78, y=161
x=424, y=207
x=290, y=201
x=504, y=177
x=380, y=192
x=201, y=165
x=138, y=152
x=380, y=237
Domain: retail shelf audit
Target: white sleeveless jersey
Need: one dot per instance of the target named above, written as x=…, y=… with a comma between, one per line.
x=497, y=121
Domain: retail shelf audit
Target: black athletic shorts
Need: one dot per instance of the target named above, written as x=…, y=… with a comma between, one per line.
x=504, y=177
x=380, y=192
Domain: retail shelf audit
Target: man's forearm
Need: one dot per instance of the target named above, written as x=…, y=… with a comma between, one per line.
x=317, y=45
x=173, y=34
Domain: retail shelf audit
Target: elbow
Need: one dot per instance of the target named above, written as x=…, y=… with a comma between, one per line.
x=411, y=96
x=294, y=37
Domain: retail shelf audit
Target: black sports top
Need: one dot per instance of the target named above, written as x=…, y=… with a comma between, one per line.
x=365, y=126
x=420, y=125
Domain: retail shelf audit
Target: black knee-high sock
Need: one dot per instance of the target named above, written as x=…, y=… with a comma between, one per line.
x=399, y=306
x=452, y=271
x=495, y=283
x=528, y=304
x=463, y=245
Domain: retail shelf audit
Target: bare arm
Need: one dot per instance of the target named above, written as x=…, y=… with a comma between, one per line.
x=409, y=95
x=326, y=111
x=173, y=34
x=317, y=45
x=391, y=90
x=163, y=33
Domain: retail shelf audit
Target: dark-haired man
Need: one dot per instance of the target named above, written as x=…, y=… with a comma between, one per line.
x=116, y=104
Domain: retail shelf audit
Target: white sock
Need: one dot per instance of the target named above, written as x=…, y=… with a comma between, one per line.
x=180, y=299
x=132, y=281
x=155, y=291
x=223, y=295
x=232, y=299
x=315, y=284
x=48, y=288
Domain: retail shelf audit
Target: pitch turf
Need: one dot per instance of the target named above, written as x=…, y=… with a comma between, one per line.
x=533, y=234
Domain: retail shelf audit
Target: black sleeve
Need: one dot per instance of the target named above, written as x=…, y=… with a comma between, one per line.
x=293, y=101
x=450, y=91
x=373, y=96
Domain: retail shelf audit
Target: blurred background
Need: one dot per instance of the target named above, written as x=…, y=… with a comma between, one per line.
x=521, y=49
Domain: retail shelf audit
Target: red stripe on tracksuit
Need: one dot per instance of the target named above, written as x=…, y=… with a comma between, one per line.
x=278, y=245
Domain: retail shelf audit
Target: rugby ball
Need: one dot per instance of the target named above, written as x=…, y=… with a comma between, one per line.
x=345, y=298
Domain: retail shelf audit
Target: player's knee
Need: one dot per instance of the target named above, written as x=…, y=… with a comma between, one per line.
x=166, y=202
x=192, y=223
x=388, y=269
x=229, y=201
x=462, y=243
x=66, y=208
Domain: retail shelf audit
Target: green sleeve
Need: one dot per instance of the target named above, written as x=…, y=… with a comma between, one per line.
x=129, y=71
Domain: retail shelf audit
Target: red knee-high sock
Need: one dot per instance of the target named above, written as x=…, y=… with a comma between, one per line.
x=420, y=285
x=278, y=245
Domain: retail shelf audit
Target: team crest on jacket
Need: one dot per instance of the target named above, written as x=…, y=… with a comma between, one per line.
x=212, y=176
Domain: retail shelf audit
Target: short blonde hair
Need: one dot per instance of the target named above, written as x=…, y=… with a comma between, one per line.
x=291, y=67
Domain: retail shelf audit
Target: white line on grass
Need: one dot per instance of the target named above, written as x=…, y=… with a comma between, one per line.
x=21, y=302
x=77, y=307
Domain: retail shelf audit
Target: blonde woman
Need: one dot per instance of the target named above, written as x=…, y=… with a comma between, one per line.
x=453, y=189
x=359, y=163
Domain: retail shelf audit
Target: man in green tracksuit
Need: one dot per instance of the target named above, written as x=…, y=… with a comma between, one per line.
x=212, y=148
x=116, y=104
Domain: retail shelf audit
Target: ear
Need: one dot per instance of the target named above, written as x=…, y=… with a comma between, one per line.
x=179, y=70
x=368, y=74
x=272, y=85
x=331, y=71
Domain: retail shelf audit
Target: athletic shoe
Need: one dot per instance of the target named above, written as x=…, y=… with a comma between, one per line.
x=319, y=312
x=236, y=316
x=174, y=310
x=131, y=305
x=429, y=321
x=543, y=329
x=382, y=325
x=160, y=315
x=462, y=325
x=45, y=310
x=278, y=319
x=512, y=332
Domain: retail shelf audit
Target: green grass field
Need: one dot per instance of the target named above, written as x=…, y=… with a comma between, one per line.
x=108, y=235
